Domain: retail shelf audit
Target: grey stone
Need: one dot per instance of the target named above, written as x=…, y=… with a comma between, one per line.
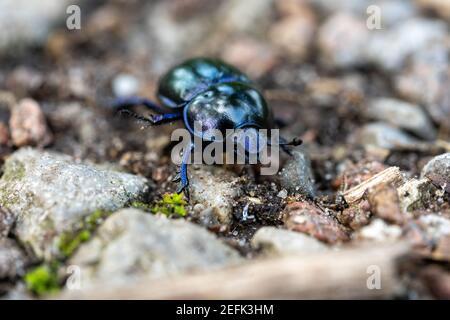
x=411, y=194
x=389, y=50
x=125, y=85
x=131, y=244
x=392, y=11
x=276, y=241
x=28, y=22
x=402, y=115
x=342, y=40
x=438, y=169
x=426, y=80
x=385, y=136
x=435, y=226
x=297, y=175
x=379, y=231
x=50, y=193
x=12, y=259
x=214, y=188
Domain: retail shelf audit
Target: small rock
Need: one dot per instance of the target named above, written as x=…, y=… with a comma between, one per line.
x=49, y=194
x=307, y=218
x=253, y=57
x=389, y=50
x=208, y=218
x=342, y=41
x=352, y=174
x=438, y=171
x=411, y=194
x=297, y=175
x=385, y=204
x=356, y=215
x=28, y=125
x=215, y=188
x=125, y=85
x=282, y=194
x=293, y=35
x=28, y=23
x=385, y=136
x=12, y=260
x=427, y=233
x=274, y=241
x=131, y=244
x=426, y=80
x=379, y=231
x=402, y=115
x=392, y=11
x=6, y=222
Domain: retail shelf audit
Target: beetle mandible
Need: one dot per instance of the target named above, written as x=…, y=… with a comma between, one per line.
x=209, y=91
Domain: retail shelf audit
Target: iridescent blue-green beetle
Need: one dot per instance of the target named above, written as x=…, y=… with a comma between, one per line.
x=211, y=92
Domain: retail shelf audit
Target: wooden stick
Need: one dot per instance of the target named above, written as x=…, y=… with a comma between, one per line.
x=386, y=176
x=333, y=275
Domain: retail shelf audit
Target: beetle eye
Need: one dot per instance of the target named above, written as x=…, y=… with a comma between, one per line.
x=208, y=94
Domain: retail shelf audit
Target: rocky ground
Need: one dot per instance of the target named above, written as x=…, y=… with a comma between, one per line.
x=87, y=194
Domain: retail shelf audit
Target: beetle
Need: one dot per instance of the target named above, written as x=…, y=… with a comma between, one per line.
x=209, y=91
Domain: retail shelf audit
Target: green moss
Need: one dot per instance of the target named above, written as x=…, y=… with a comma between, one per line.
x=171, y=204
x=13, y=170
x=141, y=205
x=43, y=279
x=68, y=242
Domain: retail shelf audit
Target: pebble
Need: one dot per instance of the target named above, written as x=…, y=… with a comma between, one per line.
x=28, y=125
x=253, y=57
x=380, y=231
x=12, y=259
x=49, y=194
x=411, y=194
x=215, y=188
x=403, y=115
x=426, y=79
x=297, y=176
x=342, y=40
x=131, y=244
x=125, y=85
x=389, y=50
x=438, y=170
x=307, y=218
x=294, y=34
x=26, y=22
x=272, y=241
x=383, y=135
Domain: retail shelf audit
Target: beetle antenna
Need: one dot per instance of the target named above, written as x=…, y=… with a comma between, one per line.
x=282, y=142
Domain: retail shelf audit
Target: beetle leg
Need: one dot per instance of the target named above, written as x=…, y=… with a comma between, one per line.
x=184, y=181
x=126, y=102
x=154, y=119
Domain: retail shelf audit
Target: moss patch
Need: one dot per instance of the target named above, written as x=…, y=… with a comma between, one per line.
x=68, y=242
x=43, y=280
x=171, y=205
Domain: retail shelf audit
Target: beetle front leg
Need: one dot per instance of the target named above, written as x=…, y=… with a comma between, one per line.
x=127, y=102
x=154, y=119
x=182, y=177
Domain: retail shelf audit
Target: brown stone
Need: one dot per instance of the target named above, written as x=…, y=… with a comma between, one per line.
x=307, y=218
x=28, y=125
